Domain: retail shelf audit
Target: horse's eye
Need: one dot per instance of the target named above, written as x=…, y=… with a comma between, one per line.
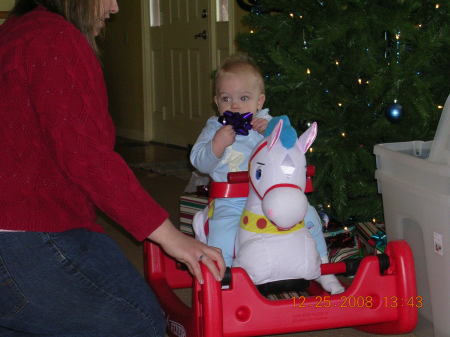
x=258, y=173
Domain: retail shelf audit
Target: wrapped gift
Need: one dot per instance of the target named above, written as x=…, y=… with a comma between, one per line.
x=341, y=241
x=344, y=253
x=339, y=236
x=371, y=237
x=189, y=205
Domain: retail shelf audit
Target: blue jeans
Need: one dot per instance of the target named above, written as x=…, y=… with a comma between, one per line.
x=72, y=284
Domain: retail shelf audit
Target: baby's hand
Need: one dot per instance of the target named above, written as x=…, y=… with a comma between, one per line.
x=259, y=124
x=224, y=137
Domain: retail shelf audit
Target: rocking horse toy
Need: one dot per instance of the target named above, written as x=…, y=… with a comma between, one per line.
x=272, y=245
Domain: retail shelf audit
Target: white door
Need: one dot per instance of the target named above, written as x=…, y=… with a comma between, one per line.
x=184, y=53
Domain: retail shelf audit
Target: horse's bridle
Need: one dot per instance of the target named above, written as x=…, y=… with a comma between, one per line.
x=261, y=197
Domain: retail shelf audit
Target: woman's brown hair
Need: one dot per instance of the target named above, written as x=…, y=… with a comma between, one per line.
x=83, y=14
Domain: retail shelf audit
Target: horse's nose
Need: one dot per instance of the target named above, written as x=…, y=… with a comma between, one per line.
x=287, y=166
x=285, y=206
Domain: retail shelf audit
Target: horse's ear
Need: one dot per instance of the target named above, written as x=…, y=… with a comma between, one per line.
x=275, y=135
x=307, y=138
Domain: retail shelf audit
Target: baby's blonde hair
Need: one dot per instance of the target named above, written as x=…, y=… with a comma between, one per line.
x=239, y=63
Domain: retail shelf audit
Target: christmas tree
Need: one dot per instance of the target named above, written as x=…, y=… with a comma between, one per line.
x=368, y=71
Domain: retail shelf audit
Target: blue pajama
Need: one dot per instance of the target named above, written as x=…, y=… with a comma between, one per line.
x=224, y=224
x=313, y=223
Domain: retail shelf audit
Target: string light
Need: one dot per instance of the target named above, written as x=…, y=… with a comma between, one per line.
x=397, y=43
x=340, y=104
x=337, y=62
x=291, y=15
x=361, y=81
x=252, y=31
x=374, y=220
x=305, y=45
x=328, y=206
x=343, y=134
x=308, y=71
x=437, y=6
x=311, y=150
x=440, y=107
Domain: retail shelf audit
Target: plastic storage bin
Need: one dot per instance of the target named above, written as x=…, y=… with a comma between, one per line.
x=414, y=180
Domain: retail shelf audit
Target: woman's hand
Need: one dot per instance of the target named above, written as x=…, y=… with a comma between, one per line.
x=259, y=125
x=189, y=251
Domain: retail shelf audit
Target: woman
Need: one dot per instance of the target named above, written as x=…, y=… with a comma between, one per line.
x=59, y=274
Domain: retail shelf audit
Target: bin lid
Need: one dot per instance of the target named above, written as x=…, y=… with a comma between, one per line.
x=440, y=149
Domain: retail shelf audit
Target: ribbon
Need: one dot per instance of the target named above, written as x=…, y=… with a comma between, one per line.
x=240, y=122
x=380, y=240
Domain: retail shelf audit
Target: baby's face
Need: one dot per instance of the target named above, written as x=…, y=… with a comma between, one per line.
x=239, y=92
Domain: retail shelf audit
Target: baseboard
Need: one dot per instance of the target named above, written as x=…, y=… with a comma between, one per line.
x=128, y=141
x=132, y=135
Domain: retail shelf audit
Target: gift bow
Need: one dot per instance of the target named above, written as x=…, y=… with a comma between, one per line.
x=240, y=122
x=380, y=240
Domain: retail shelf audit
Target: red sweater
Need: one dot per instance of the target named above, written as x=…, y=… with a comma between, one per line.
x=57, y=156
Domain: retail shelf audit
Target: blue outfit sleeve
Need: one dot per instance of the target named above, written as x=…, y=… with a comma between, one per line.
x=313, y=223
x=202, y=156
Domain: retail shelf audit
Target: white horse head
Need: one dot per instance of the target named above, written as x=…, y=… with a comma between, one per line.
x=277, y=174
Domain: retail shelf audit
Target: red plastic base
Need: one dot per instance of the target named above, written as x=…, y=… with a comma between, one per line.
x=377, y=303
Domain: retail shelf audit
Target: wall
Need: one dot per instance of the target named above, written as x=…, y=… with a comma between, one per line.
x=5, y=5
x=122, y=60
x=238, y=14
